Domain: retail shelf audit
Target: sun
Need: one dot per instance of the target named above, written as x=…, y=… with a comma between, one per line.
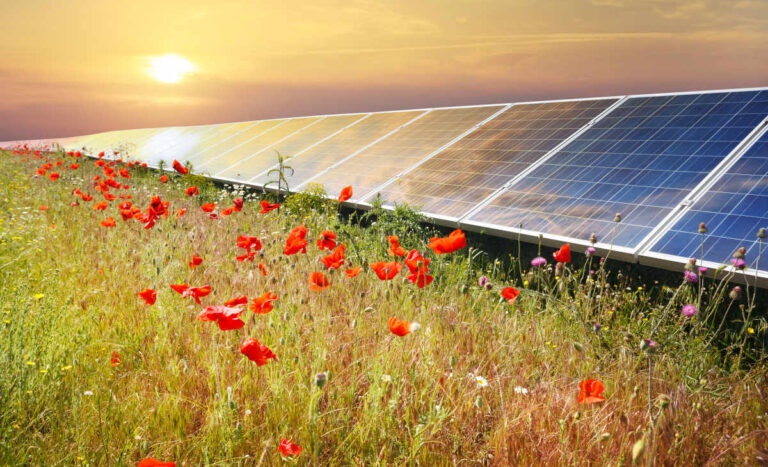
x=169, y=68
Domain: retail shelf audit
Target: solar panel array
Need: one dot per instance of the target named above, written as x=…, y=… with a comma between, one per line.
x=555, y=170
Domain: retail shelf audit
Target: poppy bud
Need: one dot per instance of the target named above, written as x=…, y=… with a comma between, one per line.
x=761, y=233
x=617, y=219
x=579, y=348
x=368, y=309
x=452, y=361
x=604, y=437
x=479, y=402
x=703, y=228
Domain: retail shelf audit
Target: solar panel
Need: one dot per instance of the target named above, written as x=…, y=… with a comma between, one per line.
x=241, y=146
x=465, y=173
x=342, y=145
x=258, y=163
x=395, y=153
x=641, y=160
x=174, y=143
x=219, y=141
x=733, y=210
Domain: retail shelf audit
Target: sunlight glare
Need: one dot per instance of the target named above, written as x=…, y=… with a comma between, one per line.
x=169, y=68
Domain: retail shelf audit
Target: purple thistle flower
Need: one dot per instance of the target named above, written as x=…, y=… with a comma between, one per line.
x=738, y=263
x=590, y=251
x=689, y=310
x=538, y=261
x=482, y=281
x=691, y=277
x=703, y=270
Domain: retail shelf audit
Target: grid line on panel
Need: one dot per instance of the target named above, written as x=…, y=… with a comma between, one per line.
x=264, y=140
x=640, y=160
x=429, y=157
x=380, y=138
x=258, y=133
x=380, y=162
x=227, y=138
x=733, y=208
x=467, y=172
x=260, y=179
x=252, y=166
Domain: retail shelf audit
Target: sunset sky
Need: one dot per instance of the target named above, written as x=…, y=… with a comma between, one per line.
x=77, y=67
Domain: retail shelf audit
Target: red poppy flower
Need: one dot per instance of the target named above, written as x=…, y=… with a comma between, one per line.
x=419, y=274
x=208, y=207
x=228, y=318
x=180, y=168
x=192, y=191
x=150, y=462
x=239, y=301
x=266, y=207
x=148, y=295
x=227, y=211
x=346, y=193
x=196, y=261
x=262, y=269
x=318, y=282
x=326, y=240
x=87, y=197
x=181, y=212
x=164, y=179
x=590, y=390
x=101, y=154
x=109, y=197
x=455, y=241
x=510, y=294
x=386, y=271
x=126, y=214
x=125, y=205
x=394, y=246
x=54, y=176
x=295, y=245
x=413, y=260
x=249, y=256
x=108, y=222
x=125, y=173
x=115, y=359
x=74, y=166
x=402, y=328
x=100, y=206
x=248, y=243
x=336, y=259
x=238, y=204
x=194, y=292
x=354, y=271
x=263, y=305
x=257, y=352
x=563, y=255
x=289, y=449
x=44, y=208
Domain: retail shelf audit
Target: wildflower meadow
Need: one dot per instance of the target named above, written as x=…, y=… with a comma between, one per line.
x=153, y=317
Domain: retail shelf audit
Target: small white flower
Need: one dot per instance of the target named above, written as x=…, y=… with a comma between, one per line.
x=88, y=393
x=521, y=390
x=386, y=378
x=247, y=412
x=481, y=382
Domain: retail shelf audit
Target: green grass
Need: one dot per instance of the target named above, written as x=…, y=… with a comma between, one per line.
x=184, y=392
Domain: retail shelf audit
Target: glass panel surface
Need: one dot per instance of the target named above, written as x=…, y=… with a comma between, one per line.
x=641, y=160
x=734, y=209
x=457, y=179
x=395, y=153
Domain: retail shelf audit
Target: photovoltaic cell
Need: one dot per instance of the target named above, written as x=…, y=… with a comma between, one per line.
x=228, y=136
x=241, y=146
x=253, y=166
x=318, y=158
x=173, y=144
x=733, y=210
x=395, y=153
x=641, y=160
x=465, y=173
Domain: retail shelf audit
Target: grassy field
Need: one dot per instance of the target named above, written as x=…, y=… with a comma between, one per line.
x=90, y=374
